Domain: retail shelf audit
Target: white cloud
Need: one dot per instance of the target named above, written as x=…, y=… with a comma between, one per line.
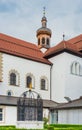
x=21, y=18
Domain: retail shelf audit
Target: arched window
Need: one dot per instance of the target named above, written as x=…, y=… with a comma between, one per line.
x=75, y=68
x=43, y=40
x=47, y=41
x=12, y=79
x=29, y=82
x=9, y=93
x=43, y=84
x=39, y=41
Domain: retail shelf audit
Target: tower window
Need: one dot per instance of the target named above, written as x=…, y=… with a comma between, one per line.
x=47, y=41
x=12, y=79
x=39, y=41
x=43, y=40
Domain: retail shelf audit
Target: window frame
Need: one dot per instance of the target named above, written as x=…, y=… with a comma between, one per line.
x=43, y=40
x=38, y=41
x=46, y=83
x=32, y=81
x=43, y=84
x=13, y=79
x=75, y=68
x=48, y=41
x=2, y=113
x=17, y=80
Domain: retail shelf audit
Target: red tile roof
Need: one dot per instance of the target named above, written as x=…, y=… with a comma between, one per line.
x=61, y=47
x=21, y=48
x=78, y=41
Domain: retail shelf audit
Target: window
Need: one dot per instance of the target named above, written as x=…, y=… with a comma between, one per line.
x=39, y=41
x=47, y=41
x=75, y=68
x=43, y=40
x=9, y=93
x=12, y=79
x=43, y=82
x=29, y=82
x=1, y=114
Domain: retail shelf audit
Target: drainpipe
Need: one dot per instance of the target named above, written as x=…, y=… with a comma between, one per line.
x=51, y=81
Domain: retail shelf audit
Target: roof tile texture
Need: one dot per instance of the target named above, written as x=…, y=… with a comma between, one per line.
x=21, y=48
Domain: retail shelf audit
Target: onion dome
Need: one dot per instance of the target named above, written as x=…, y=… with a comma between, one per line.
x=44, y=29
x=43, y=34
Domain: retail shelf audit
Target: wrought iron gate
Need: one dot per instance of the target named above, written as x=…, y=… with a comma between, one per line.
x=30, y=106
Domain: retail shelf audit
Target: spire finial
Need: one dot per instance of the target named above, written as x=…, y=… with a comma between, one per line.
x=44, y=10
x=63, y=36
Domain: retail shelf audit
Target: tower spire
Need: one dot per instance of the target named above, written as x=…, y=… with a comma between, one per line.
x=44, y=20
x=43, y=34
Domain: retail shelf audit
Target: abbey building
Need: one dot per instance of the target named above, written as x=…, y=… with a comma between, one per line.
x=53, y=72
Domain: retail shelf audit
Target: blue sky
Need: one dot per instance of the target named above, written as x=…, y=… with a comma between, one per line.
x=21, y=18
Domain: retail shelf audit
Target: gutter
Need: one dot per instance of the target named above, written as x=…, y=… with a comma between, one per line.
x=51, y=82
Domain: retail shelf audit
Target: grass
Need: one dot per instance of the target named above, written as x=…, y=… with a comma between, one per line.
x=47, y=127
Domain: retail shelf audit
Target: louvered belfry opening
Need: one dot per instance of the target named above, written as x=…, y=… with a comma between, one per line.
x=30, y=107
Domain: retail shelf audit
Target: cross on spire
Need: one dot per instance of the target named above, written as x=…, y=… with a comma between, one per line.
x=44, y=11
x=63, y=36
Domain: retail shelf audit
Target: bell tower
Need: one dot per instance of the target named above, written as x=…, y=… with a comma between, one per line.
x=43, y=34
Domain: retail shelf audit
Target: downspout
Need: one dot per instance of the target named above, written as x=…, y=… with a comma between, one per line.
x=51, y=81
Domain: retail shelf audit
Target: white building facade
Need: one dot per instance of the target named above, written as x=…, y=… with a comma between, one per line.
x=55, y=73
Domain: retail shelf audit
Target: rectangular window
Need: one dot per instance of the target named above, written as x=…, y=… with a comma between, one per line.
x=1, y=114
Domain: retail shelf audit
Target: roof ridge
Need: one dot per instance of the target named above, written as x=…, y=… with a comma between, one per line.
x=5, y=35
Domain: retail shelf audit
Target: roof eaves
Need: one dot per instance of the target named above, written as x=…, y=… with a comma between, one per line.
x=71, y=51
x=25, y=56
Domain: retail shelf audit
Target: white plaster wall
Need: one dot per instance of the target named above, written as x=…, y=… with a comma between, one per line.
x=58, y=77
x=72, y=116
x=46, y=112
x=23, y=67
x=73, y=87
x=10, y=115
x=65, y=84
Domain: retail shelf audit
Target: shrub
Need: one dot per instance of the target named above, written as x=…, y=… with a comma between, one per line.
x=45, y=120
